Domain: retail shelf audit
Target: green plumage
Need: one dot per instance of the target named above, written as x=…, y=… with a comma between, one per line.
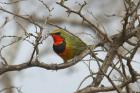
x=74, y=45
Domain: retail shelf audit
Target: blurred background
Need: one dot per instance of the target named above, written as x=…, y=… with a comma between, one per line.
x=106, y=14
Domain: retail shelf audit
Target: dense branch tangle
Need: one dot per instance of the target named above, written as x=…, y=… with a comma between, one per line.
x=117, y=41
x=114, y=42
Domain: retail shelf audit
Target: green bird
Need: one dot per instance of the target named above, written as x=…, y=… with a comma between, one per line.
x=66, y=44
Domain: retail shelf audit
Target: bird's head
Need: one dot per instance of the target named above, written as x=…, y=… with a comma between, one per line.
x=57, y=36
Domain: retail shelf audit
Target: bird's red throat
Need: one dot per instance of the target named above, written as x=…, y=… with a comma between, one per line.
x=57, y=39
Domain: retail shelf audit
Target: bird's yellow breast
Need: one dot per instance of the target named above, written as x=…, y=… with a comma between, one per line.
x=67, y=54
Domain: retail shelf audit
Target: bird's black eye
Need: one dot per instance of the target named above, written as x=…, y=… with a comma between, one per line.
x=58, y=33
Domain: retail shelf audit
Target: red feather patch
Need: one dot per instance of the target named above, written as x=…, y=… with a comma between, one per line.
x=57, y=39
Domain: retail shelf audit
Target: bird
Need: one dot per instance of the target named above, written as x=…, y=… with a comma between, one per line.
x=66, y=44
